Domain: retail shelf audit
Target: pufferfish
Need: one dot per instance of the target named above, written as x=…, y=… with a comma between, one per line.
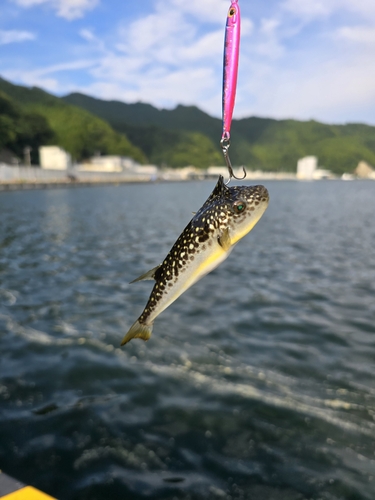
x=227, y=216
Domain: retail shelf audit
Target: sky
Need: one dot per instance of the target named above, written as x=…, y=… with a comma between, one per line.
x=301, y=59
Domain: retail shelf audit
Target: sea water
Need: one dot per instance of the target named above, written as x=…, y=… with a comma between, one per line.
x=258, y=383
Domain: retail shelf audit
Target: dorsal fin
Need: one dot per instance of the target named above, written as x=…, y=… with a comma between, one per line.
x=219, y=191
x=220, y=187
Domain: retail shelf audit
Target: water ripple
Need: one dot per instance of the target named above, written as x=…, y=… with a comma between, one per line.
x=257, y=383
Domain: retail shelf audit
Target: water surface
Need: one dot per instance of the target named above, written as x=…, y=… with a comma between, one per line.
x=258, y=383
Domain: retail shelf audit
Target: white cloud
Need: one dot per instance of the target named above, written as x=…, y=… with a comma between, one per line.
x=44, y=77
x=32, y=79
x=360, y=34
x=73, y=9
x=87, y=35
x=268, y=42
x=172, y=54
x=269, y=26
x=13, y=36
x=339, y=89
x=207, y=11
x=68, y=9
x=327, y=73
x=157, y=33
x=363, y=8
x=166, y=57
x=309, y=10
x=161, y=89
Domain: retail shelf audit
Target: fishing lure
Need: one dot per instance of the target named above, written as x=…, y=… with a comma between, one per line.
x=226, y=217
x=230, y=72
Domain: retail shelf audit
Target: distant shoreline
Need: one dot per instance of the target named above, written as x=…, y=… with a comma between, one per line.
x=26, y=186
x=58, y=184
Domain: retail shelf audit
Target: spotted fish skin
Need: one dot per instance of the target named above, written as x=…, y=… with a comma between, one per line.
x=228, y=215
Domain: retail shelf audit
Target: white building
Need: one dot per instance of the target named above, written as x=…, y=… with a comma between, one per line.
x=104, y=164
x=306, y=167
x=54, y=158
x=108, y=163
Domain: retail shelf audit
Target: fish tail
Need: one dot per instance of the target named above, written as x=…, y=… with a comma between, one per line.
x=138, y=331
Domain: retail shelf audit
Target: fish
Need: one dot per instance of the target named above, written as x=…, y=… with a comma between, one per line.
x=224, y=219
x=230, y=66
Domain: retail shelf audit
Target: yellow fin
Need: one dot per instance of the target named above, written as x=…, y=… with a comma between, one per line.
x=224, y=240
x=138, y=331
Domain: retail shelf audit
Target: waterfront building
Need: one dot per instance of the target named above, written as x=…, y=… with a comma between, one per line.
x=306, y=167
x=54, y=158
x=108, y=163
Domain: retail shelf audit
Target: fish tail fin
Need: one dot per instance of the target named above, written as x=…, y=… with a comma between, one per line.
x=138, y=331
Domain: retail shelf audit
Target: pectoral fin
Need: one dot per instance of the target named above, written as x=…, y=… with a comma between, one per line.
x=150, y=275
x=224, y=240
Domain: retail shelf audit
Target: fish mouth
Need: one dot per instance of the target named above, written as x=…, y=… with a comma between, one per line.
x=256, y=200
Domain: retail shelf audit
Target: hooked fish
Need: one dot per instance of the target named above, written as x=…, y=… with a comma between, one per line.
x=227, y=216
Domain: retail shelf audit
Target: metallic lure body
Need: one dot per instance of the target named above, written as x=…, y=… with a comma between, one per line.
x=227, y=216
x=231, y=56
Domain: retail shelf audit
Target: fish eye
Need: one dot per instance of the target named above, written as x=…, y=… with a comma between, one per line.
x=231, y=12
x=239, y=206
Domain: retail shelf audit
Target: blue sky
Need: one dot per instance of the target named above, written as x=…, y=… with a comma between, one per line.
x=299, y=59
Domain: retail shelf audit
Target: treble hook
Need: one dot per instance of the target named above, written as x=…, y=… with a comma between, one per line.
x=225, y=143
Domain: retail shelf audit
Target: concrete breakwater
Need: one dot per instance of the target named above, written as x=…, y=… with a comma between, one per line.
x=14, y=178
x=20, y=177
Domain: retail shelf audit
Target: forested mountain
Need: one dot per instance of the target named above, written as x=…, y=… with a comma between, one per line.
x=74, y=129
x=19, y=128
x=183, y=136
x=259, y=143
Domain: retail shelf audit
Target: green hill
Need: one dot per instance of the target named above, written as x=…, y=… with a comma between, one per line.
x=74, y=129
x=188, y=118
x=275, y=145
x=259, y=143
x=183, y=136
x=19, y=128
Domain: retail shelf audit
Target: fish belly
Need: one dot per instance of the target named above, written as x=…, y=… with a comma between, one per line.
x=204, y=262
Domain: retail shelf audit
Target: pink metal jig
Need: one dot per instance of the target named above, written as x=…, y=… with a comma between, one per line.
x=231, y=57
